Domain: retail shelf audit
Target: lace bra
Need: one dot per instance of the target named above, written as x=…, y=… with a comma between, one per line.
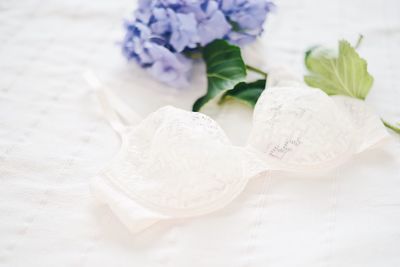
x=175, y=163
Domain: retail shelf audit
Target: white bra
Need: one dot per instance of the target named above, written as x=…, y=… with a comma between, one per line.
x=175, y=163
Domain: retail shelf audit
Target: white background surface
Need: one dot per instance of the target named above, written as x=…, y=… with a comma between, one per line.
x=53, y=139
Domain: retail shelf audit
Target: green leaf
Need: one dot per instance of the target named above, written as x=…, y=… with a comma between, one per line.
x=225, y=68
x=246, y=92
x=392, y=127
x=342, y=74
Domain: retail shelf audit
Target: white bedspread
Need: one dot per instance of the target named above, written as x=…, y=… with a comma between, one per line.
x=53, y=139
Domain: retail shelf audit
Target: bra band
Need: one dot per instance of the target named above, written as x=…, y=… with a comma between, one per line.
x=118, y=114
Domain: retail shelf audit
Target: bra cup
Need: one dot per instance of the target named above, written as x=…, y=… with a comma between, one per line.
x=180, y=164
x=300, y=129
x=369, y=128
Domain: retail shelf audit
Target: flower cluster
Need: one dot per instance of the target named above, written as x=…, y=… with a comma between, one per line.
x=162, y=31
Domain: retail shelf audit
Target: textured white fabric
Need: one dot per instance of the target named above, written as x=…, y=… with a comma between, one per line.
x=53, y=140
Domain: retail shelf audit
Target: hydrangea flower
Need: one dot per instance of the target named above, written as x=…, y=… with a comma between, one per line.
x=247, y=18
x=161, y=31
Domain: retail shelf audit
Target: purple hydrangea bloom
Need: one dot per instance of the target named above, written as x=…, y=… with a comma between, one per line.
x=168, y=67
x=162, y=30
x=151, y=54
x=247, y=18
x=213, y=24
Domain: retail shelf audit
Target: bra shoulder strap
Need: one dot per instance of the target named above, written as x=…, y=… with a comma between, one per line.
x=118, y=113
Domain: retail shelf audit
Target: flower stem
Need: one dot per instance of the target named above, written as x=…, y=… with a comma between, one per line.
x=359, y=41
x=256, y=70
x=391, y=126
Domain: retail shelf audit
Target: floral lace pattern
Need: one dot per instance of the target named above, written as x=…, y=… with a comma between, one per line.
x=300, y=128
x=180, y=162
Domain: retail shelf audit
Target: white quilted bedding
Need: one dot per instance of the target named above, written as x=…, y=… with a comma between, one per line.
x=53, y=139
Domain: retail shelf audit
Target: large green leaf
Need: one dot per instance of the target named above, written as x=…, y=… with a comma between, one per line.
x=246, y=92
x=225, y=68
x=342, y=74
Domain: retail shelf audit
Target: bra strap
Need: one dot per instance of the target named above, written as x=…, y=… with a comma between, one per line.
x=115, y=110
